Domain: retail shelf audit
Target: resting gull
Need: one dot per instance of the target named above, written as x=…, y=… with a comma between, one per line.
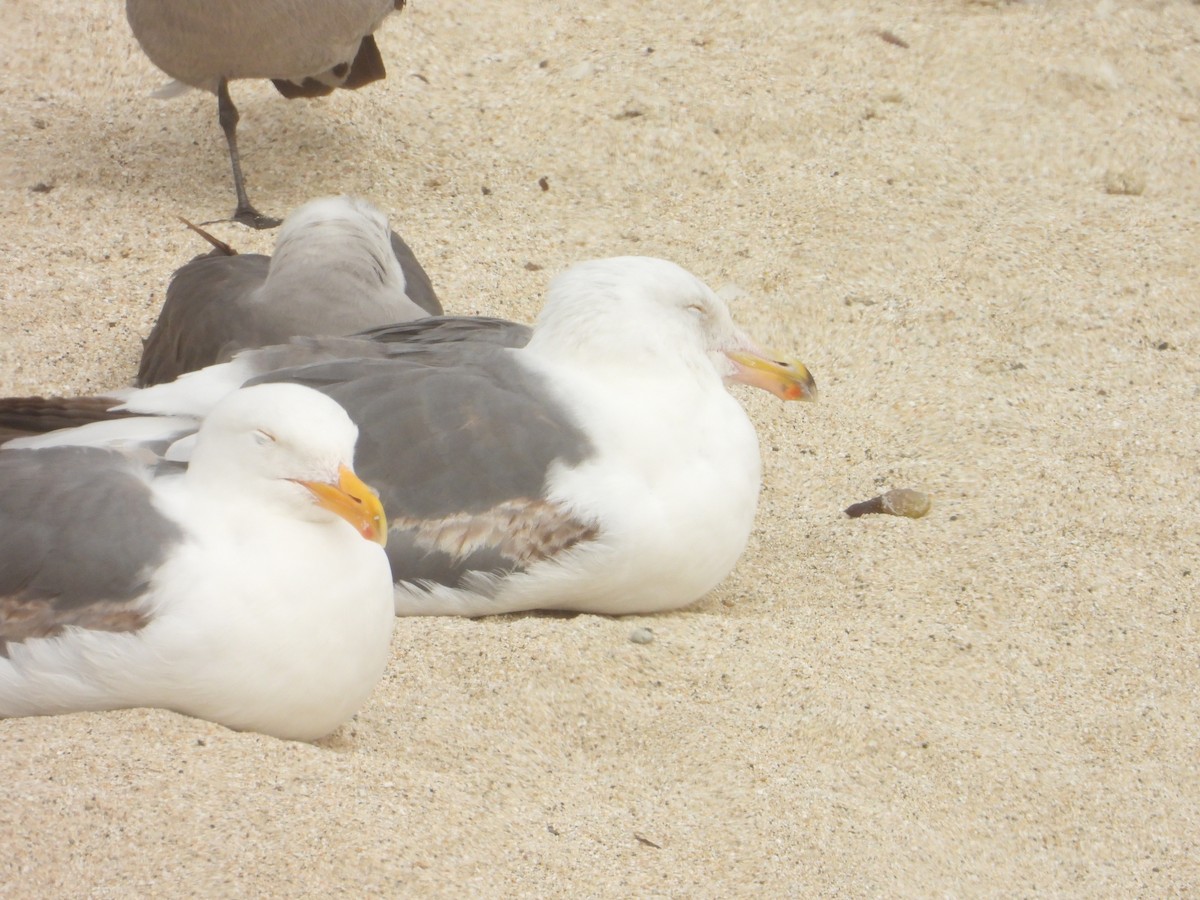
x=306, y=47
x=337, y=268
x=236, y=591
x=603, y=467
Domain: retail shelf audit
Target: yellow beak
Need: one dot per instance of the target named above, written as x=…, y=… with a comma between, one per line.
x=354, y=501
x=786, y=379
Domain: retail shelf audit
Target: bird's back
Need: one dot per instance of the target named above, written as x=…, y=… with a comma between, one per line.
x=208, y=314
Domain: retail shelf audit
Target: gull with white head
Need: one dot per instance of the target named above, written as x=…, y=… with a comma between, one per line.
x=249, y=590
x=603, y=466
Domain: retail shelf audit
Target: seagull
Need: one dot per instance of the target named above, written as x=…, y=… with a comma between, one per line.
x=306, y=47
x=240, y=590
x=601, y=465
x=337, y=268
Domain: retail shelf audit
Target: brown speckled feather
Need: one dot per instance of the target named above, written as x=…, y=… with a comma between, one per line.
x=459, y=439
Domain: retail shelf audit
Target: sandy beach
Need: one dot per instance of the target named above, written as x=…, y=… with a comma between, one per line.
x=978, y=224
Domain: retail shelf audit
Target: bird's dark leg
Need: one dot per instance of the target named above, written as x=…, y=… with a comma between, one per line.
x=227, y=115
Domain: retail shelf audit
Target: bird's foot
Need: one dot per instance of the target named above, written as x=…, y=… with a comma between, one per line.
x=252, y=218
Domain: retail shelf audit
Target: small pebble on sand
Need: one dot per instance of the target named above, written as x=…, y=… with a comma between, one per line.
x=899, y=502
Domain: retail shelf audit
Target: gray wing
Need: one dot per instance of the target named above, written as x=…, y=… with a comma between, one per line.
x=451, y=330
x=214, y=308
x=366, y=68
x=459, y=441
x=23, y=416
x=81, y=540
x=440, y=341
x=416, y=282
x=208, y=314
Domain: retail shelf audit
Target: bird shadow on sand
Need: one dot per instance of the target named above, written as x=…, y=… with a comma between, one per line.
x=170, y=158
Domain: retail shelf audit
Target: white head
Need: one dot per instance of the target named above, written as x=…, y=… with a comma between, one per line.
x=289, y=447
x=651, y=313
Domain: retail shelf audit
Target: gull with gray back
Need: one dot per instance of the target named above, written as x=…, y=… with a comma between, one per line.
x=337, y=269
x=248, y=589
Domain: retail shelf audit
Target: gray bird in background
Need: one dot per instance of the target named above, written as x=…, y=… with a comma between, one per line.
x=337, y=269
x=306, y=47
